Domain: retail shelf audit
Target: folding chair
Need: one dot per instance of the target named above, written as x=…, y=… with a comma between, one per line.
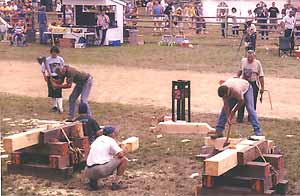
x=284, y=45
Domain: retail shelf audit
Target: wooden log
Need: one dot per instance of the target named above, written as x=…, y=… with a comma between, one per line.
x=131, y=143
x=59, y=161
x=72, y=130
x=22, y=140
x=43, y=171
x=252, y=152
x=184, y=127
x=276, y=160
x=53, y=148
x=219, y=142
x=223, y=161
x=253, y=169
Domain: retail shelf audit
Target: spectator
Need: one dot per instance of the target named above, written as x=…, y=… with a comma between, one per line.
x=149, y=8
x=258, y=9
x=223, y=20
x=158, y=11
x=235, y=25
x=283, y=11
x=89, y=125
x=289, y=9
x=168, y=11
x=251, y=70
x=102, y=24
x=58, y=9
x=263, y=19
x=69, y=15
x=249, y=20
x=178, y=18
x=289, y=25
x=42, y=20
x=198, y=13
x=19, y=33
x=274, y=11
x=250, y=39
x=48, y=70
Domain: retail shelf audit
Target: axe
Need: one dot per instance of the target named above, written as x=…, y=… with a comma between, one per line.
x=269, y=95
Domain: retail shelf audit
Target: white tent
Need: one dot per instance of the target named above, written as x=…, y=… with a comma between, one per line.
x=115, y=33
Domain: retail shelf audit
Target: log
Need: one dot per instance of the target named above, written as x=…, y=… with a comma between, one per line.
x=219, y=142
x=222, y=162
x=131, y=143
x=22, y=140
x=53, y=148
x=253, y=169
x=251, y=152
x=72, y=130
x=184, y=127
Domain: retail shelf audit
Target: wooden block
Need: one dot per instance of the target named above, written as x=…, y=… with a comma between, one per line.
x=58, y=161
x=282, y=187
x=167, y=118
x=223, y=161
x=16, y=158
x=72, y=130
x=253, y=169
x=207, y=181
x=219, y=142
x=43, y=171
x=184, y=127
x=247, y=142
x=251, y=152
x=53, y=148
x=22, y=140
x=276, y=160
x=270, y=146
x=131, y=143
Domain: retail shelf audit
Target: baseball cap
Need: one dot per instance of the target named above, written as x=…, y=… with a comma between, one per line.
x=109, y=130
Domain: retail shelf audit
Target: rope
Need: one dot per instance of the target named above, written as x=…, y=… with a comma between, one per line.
x=263, y=158
x=75, y=150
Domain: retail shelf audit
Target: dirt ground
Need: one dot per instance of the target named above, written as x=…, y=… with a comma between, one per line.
x=140, y=86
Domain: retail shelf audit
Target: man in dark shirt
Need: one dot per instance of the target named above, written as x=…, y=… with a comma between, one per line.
x=83, y=81
x=274, y=11
x=90, y=126
x=42, y=19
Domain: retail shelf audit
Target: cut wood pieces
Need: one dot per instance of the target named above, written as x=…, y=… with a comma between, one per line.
x=131, y=143
x=252, y=152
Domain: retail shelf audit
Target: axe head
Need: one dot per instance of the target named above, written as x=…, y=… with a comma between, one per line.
x=41, y=59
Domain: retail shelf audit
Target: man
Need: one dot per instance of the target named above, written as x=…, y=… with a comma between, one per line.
x=274, y=11
x=48, y=70
x=251, y=70
x=102, y=24
x=289, y=25
x=158, y=11
x=83, y=81
x=263, y=15
x=90, y=126
x=250, y=39
x=104, y=158
x=235, y=92
x=42, y=19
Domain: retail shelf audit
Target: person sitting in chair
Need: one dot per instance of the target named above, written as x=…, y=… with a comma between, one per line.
x=19, y=33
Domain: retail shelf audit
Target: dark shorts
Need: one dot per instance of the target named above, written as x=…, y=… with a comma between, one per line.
x=54, y=92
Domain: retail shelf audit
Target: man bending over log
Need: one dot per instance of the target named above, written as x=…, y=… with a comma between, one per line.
x=235, y=92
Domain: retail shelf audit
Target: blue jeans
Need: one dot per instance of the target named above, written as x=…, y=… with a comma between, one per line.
x=84, y=91
x=43, y=37
x=249, y=102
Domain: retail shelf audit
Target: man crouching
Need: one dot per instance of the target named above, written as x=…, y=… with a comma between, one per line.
x=104, y=158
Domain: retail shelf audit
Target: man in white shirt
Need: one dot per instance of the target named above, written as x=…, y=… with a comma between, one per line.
x=252, y=71
x=289, y=25
x=104, y=158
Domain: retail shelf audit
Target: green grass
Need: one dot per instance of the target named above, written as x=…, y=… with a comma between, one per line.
x=210, y=54
x=163, y=165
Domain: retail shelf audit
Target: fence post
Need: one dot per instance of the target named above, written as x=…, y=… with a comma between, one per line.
x=171, y=24
x=226, y=26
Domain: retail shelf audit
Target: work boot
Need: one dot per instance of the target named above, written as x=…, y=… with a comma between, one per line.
x=216, y=135
x=93, y=185
x=117, y=186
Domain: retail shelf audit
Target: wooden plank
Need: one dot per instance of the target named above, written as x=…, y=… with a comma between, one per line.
x=22, y=140
x=223, y=161
x=251, y=152
x=53, y=148
x=42, y=171
x=219, y=142
x=258, y=138
x=72, y=130
x=184, y=127
x=253, y=169
x=131, y=143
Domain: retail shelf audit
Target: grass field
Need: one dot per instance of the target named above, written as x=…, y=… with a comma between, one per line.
x=210, y=54
x=163, y=165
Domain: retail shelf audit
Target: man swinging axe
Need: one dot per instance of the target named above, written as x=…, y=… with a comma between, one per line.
x=235, y=92
x=83, y=81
